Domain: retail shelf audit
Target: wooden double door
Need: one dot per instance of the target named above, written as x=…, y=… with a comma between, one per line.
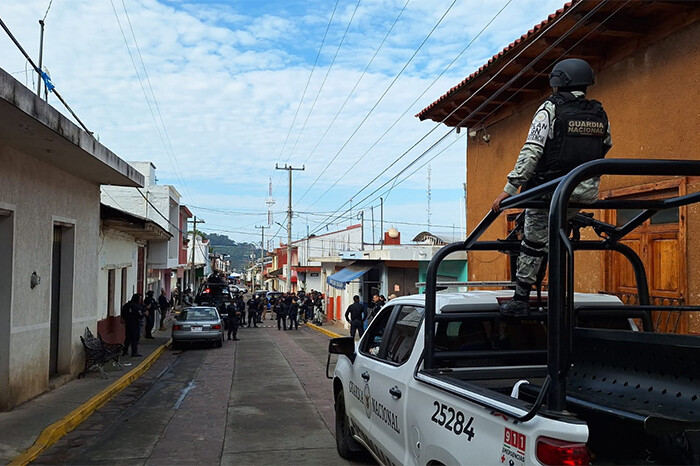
x=660, y=243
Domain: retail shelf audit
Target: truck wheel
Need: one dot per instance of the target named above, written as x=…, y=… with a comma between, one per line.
x=347, y=446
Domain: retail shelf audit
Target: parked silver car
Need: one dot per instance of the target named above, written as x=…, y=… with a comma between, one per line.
x=198, y=324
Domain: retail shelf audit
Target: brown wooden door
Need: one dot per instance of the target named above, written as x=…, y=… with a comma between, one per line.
x=660, y=243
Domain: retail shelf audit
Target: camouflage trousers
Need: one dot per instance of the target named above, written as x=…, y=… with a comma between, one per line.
x=533, y=248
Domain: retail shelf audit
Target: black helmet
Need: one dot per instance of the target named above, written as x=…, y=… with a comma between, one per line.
x=572, y=72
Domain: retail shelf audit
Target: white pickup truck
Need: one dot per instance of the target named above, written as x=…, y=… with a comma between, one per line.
x=404, y=415
x=582, y=379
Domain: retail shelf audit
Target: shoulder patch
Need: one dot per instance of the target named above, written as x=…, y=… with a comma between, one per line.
x=539, y=128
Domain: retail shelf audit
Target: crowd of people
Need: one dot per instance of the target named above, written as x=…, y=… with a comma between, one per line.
x=289, y=309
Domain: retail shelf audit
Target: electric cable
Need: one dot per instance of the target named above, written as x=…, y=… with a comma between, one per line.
x=47, y=80
x=325, y=78
x=497, y=92
x=409, y=107
x=163, y=135
x=347, y=141
x=532, y=79
x=313, y=68
x=362, y=75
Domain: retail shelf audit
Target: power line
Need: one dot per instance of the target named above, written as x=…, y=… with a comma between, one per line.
x=512, y=80
x=494, y=95
x=410, y=107
x=313, y=68
x=164, y=137
x=47, y=80
x=323, y=83
x=379, y=100
x=386, y=36
x=47, y=10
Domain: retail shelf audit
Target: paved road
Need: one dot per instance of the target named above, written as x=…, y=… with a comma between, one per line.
x=263, y=400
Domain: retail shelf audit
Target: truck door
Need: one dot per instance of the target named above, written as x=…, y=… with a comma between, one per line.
x=389, y=382
x=358, y=399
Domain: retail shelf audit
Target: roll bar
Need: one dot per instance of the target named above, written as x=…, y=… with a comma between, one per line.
x=561, y=248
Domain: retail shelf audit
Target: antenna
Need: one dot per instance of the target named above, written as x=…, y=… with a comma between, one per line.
x=429, y=196
x=270, y=201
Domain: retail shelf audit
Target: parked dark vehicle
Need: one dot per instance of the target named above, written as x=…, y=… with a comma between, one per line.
x=214, y=294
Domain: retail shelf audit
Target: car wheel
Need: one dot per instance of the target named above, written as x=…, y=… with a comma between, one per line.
x=220, y=342
x=176, y=345
x=347, y=446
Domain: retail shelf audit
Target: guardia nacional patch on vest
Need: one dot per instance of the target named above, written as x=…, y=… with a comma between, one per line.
x=585, y=128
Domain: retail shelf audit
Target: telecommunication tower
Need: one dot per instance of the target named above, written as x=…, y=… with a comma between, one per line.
x=429, y=196
x=270, y=202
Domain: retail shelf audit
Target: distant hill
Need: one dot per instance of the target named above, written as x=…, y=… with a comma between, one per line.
x=239, y=252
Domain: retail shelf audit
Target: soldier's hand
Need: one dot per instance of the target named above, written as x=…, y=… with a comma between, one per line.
x=496, y=206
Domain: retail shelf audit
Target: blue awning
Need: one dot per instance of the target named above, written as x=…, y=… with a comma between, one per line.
x=348, y=274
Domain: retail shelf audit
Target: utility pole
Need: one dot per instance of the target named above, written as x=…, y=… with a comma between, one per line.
x=194, y=243
x=289, y=223
x=41, y=57
x=373, y=235
x=381, y=222
x=262, y=256
x=361, y=218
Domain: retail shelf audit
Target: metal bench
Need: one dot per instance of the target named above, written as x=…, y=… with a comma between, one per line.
x=98, y=353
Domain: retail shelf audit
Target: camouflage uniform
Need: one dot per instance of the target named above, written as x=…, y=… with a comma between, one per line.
x=534, y=245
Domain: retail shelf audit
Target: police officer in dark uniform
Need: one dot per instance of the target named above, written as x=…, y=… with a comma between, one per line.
x=151, y=305
x=234, y=316
x=356, y=315
x=568, y=130
x=131, y=314
x=293, y=314
x=253, y=304
x=280, y=310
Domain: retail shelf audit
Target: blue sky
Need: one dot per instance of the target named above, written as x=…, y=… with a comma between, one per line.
x=215, y=93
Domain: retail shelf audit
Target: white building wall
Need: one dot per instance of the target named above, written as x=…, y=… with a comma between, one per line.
x=117, y=252
x=162, y=199
x=328, y=245
x=38, y=195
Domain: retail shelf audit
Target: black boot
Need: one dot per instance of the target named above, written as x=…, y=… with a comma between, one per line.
x=519, y=306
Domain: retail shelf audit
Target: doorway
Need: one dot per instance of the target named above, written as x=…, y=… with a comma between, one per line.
x=62, y=261
x=6, y=251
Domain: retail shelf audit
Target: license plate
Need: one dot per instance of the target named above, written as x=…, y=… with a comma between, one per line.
x=196, y=329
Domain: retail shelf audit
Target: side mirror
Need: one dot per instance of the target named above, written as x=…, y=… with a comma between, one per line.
x=342, y=345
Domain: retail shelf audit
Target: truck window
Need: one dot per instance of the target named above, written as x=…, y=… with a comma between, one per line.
x=372, y=342
x=404, y=334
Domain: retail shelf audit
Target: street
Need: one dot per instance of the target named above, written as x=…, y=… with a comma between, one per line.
x=261, y=400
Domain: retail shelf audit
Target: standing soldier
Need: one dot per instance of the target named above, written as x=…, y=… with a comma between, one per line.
x=131, y=315
x=567, y=131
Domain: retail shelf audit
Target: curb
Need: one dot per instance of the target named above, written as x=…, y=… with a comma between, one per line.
x=323, y=330
x=58, y=429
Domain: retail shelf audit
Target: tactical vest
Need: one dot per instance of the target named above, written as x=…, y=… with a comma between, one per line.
x=580, y=126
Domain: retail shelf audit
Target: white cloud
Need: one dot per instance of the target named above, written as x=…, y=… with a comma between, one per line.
x=228, y=83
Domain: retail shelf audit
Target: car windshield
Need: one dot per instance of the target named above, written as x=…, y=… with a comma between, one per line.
x=205, y=313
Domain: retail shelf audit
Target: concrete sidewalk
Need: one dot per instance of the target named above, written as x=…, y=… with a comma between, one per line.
x=334, y=327
x=23, y=425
